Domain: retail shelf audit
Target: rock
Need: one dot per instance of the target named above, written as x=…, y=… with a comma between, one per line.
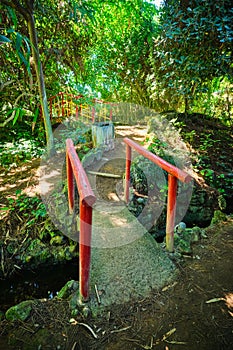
x=201, y=207
x=20, y=312
x=143, y=174
x=140, y=200
x=180, y=227
x=88, y=159
x=98, y=154
x=197, y=233
x=222, y=202
x=92, y=156
x=199, y=211
x=184, y=239
x=36, y=253
x=86, y=311
x=74, y=302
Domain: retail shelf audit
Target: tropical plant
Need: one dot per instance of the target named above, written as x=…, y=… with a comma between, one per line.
x=26, y=10
x=61, y=38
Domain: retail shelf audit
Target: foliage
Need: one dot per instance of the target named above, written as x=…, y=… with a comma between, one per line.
x=73, y=129
x=12, y=153
x=31, y=214
x=63, y=18
x=210, y=141
x=193, y=52
x=143, y=174
x=26, y=206
x=25, y=10
x=67, y=37
x=120, y=56
x=93, y=46
x=122, y=50
x=160, y=148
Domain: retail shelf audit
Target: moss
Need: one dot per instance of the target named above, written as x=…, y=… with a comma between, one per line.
x=68, y=289
x=56, y=240
x=218, y=217
x=36, y=253
x=20, y=311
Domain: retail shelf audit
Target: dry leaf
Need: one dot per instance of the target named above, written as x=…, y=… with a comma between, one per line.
x=168, y=334
x=214, y=300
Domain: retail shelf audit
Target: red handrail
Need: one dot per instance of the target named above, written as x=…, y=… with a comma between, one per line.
x=63, y=103
x=86, y=201
x=174, y=174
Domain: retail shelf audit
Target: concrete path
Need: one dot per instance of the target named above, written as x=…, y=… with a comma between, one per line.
x=127, y=263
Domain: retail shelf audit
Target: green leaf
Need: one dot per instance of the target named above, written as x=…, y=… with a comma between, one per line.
x=24, y=60
x=17, y=113
x=36, y=114
x=18, y=192
x=27, y=42
x=19, y=40
x=4, y=39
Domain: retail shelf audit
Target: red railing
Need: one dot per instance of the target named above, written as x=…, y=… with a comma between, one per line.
x=64, y=105
x=86, y=201
x=174, y=174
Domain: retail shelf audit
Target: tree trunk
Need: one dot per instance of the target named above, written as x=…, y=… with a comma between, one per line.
x=186, y=104
x=41, y=84
x=27, y=12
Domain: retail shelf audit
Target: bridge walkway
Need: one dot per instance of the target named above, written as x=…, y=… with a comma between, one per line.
x=126, y=262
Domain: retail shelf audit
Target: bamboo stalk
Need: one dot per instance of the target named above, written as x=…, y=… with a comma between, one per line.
x=104, y=174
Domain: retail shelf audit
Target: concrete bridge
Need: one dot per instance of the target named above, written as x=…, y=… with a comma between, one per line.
x=119, y=260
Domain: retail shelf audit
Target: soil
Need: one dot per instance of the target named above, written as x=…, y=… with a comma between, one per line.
x=194, y=312
x=180, y=316
x=25, y=178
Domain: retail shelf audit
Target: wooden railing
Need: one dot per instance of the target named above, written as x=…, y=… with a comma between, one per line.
x=86, y=200
x=66, y=105
x=174, y=174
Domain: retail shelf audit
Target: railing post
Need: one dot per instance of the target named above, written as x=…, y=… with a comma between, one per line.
x=171, y=212
x=127, y=172
x=84, y=250
x=62, y=104
x=70, y=183
x=86, y=200
x=76, y=111
x=93, y=114
x=51, y=108
x=110, y=113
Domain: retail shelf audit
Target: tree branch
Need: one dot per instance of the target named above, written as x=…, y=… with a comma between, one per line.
x=3, y=85
x=17, y=6
x=14, y=111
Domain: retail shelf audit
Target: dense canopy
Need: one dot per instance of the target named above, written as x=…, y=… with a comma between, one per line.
x=176, y=57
